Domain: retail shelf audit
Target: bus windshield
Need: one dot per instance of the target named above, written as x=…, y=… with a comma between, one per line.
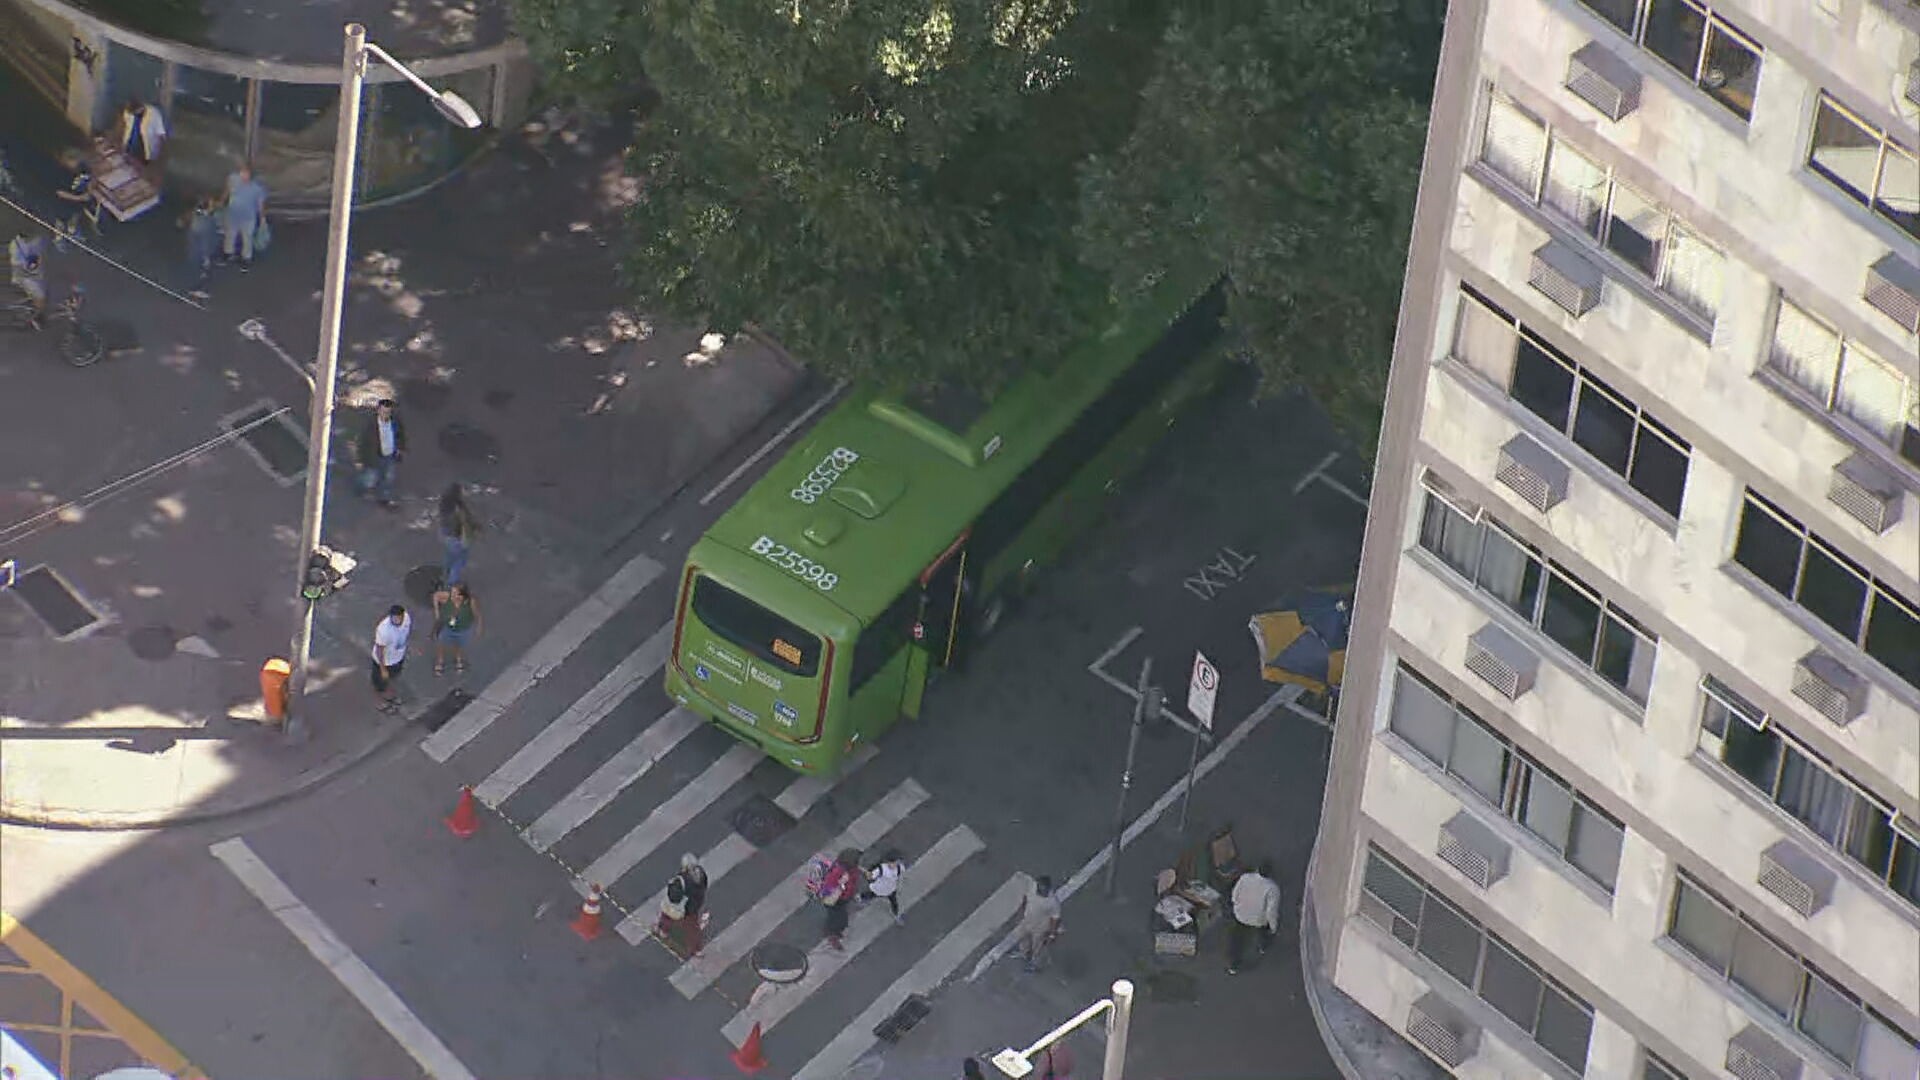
x=760, y=632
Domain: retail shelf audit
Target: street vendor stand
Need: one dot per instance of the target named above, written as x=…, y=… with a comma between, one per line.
x=123, y=188
x=1194, y=894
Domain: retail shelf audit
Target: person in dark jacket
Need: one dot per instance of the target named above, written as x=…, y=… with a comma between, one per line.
x=680, y=909
x=382, y=443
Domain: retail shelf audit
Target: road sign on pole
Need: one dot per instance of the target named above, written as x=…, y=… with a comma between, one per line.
x=1202, y=689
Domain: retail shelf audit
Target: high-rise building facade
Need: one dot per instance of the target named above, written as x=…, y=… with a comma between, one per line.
x=1626, y=777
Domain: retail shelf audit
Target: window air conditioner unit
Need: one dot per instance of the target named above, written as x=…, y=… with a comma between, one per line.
x=1603, y=80
x=1893, y=288
x=1534, y=473
x=1800, y=881
x=1502, y=661
x=1868, y=493
x=1441, y=1031
x=1473, y=849
x=1565, y=277
x=1834, y=690
x=1755, y=1055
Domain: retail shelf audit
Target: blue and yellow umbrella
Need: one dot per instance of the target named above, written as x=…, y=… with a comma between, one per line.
x=1306, y=643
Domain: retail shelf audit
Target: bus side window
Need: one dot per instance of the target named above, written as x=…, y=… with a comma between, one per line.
x=882, y=641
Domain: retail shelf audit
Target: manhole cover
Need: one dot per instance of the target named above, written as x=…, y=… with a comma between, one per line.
x=47, y=596
x=779, y=963
x=421, y=583
x=278, y=446
x=760, y=822
x=497, y=399
x=424, y=395
x=464, y=442
x=437, y=714
x=153, y=642
x=1172, y=987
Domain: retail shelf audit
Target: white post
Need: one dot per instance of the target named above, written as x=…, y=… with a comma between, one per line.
x=1117, y=1023
x=353, y=73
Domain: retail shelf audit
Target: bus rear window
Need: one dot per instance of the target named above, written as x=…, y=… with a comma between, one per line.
x=755, y=629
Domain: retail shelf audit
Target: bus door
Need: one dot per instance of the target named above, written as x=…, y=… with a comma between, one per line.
x=943, y=589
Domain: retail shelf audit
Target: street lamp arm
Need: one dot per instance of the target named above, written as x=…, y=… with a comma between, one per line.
x=406, y=72
x=1067, y=1028
x=449, y=104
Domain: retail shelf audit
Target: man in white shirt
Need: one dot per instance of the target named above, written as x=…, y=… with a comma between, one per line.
x=1256, y=910
x=1039, y=922
x=389, y=653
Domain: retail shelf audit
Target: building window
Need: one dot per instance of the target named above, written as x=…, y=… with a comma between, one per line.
x=1641, y=233
x=1821, y=1009
x=1844, y=378
x=1866, y=163
x=1555, y=1018
x=1694, y=41
x=1447, y=734
x=1835, y=807
x=1546, y=594
x=1807, y=570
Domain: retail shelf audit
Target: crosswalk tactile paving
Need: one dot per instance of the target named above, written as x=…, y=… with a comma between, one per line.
x=72, y=1028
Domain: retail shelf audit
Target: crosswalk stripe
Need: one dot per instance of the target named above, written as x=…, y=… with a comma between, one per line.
x=834, y=1060
x=671, y=816
x=567, y=728
x=777, y=906
x=795, y=800
x=612, y=777
x=776, y=1001
x=547, y=653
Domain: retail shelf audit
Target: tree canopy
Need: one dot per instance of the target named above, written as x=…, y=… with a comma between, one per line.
x=918, y=191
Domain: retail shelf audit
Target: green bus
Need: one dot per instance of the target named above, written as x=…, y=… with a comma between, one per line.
x=813, y=612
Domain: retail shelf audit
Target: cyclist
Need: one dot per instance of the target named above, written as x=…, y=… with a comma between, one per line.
x=27, y=270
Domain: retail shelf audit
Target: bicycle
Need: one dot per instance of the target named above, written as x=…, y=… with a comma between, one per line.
x=79, y=343
x=19, y=311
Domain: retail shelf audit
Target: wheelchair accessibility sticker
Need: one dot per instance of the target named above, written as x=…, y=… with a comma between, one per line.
x=700, y=672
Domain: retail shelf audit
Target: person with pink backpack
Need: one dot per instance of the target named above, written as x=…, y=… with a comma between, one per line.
x=835, y=884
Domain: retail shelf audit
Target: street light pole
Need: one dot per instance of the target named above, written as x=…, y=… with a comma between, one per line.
x=346, y=146
x=1119, y=1009
x=353, y=75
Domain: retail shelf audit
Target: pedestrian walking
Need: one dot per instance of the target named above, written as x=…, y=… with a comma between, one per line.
x=456, y=619
x=837, y=889
x=203, y=242
x=382, y=443
x=1039, y=922
x=1256, y=911
x=682, y=908
x=883, y=882
x=458, y=526
x=390, y=636
x=243, y=227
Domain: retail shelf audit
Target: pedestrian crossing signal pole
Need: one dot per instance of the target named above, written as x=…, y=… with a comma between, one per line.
x=1146, y=700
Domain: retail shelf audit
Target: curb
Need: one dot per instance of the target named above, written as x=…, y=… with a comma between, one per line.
x=1309, y=952
x=77, y=821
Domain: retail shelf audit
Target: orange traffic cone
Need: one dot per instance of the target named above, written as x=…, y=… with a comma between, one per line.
x=587, y=923
x=463, y=822
x=748, y=1059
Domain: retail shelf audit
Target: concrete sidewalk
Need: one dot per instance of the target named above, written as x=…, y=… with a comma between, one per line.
x=490, y=311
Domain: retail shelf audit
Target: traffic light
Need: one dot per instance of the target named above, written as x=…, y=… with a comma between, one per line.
x=327, y=572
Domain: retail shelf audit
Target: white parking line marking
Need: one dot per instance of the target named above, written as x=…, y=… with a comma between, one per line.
x=778, y=438
x=547, y=653
x=1238, y=735
x=856, y=1038
x=775, y=1002
x=353, y=973
x=733, y=943
x=614, y=775
x=794, y=801
x=1313, y=474
x=670, y=817
x=1099, y=667
x=567, y=728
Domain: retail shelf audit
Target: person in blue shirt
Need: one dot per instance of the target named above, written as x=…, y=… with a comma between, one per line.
x=246, y=211
x=79, y=198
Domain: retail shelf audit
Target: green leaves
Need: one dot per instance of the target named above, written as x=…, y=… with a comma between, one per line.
x=919, y=191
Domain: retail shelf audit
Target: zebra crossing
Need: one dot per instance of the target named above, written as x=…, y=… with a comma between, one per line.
x=608, y=777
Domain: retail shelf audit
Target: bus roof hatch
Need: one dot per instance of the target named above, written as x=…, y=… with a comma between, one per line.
x=869, y=488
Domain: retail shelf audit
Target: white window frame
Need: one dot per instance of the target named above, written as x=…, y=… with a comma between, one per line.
x=1888, y=145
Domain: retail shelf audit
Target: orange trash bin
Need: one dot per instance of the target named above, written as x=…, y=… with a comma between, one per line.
x=273, y=687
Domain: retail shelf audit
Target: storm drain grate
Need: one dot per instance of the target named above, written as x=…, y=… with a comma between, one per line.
x=275, y=444
x=760, y=822
x=48, y=596
x=437, y=714
x=911, y=1012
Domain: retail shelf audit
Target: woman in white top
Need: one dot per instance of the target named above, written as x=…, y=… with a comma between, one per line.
x=883, y=881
